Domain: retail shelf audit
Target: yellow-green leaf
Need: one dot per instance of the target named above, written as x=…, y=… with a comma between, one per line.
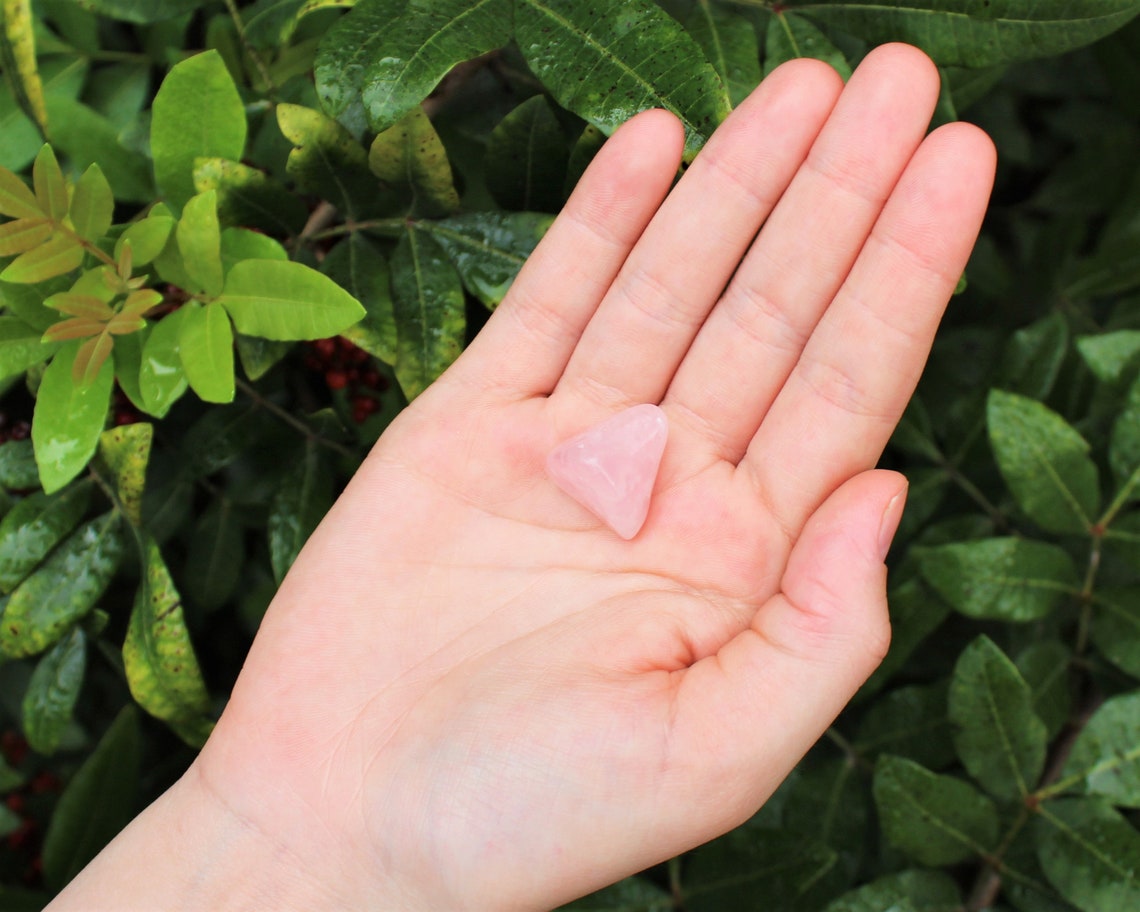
x=60, y=255
x=81, y=305
x=90, y=358
x=51, y=188
x=200, y=243
x=411, y=154
x=53, y=690
x=92, y=205
x=206, y=346
x=22, y=235
x=18, y=56
x=16, y=200
x=126, y=451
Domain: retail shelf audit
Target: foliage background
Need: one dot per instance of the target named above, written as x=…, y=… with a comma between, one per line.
x=410, y=155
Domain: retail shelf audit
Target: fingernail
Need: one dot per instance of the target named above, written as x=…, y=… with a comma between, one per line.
x=889, y=524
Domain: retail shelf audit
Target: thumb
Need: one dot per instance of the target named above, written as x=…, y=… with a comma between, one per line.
x=757, y=706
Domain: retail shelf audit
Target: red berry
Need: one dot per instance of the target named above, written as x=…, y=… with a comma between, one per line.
x=45, y=782
x=21, y=430
x=326, y=348
x=15, y=803
x=336, y=379
x=14, y=747
x=370, y=378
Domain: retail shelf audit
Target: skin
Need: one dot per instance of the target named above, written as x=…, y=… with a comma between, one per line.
x=468, y=693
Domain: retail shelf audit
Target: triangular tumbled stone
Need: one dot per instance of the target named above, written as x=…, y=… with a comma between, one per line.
x=610, y=469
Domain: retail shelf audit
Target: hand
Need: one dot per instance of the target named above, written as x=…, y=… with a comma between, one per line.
x=470, y=694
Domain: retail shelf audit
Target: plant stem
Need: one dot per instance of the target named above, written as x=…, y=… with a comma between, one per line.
x=262, y=70
x=294, y=422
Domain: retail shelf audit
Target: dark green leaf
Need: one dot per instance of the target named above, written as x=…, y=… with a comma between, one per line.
x=729, y=42
x=161, y=376
x=1116, y=628
x=249, y=197
x=358, y=266
x=633, y=894
x=64, y=589
x=1045, y=667
x=1105, y=759
x=126, y=452
x=925, y=891
x=585, y=148
x=409, y=154
x=527, y=152
x=206, y=347
x=1108, y=355
x=142, y=11
x=34, y=526
x=1010, y=579
x=909, y=722
x=216, y=556
x=934, y=819
x=914, y=616
x=1090, y=854
x=161, y=667
x=1033, y=357
x=223, y=434
x=259, y=356
x=417, y=50
x=791, y=37
x=971, y=34
x=18, y=470
x=97, y=803
x=488, y=248
x=53, y=691
x=1124, y=445
x=286, y=301
x=754, y=869
x=92, y=205
x=1000, y=739
x=305, y=495
x=197, y=113
x=1044, y=461
x=200, y=243
x=608, y=60
x=427, y=300
x=21, y=347
x=68, y=418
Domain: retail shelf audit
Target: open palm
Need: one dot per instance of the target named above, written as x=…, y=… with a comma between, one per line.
x=471, y=694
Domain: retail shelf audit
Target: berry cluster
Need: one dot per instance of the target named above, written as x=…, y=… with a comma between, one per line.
x=28, y=802
x=123, y=410
x=345, y=366
x=14, y=430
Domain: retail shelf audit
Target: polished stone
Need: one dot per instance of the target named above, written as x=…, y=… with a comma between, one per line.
x=610, y=469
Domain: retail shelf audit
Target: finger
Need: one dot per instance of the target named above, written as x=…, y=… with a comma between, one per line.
x=756, y=707
x=843, y=399
x=523, y=349
x=647, y=321
x=754, y=336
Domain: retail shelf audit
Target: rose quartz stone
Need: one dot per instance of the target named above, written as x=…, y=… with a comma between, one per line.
x=610, y=469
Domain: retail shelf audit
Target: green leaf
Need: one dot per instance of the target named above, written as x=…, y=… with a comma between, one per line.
x=1044, y=461
x=142, y=12
x=971, y=34
x=92, y=205
x=49, y=184
x=1105, y=759
x=346, y=53
x=147, y=239
x=428, y=305
x=21, y=346
x=56, y=257
x=525, y=163
x=126, y=452
x=1108, y=355
x=97, y=803
x=215, y=559
x=34, y=526
x=16, y=200
x=754, y=869
x=243, y=244
x=914, y=616
x=200, y=242
x=1045, y=666
x=608, y=60
x=925, y=891
x=18, y=469
x=791, y=37
x=358, y=266
x=53, y=691
x=909, y=722
x=162, y=379
x=729, y=43
x=936, y=820
x=64, y=589
x=249, y=197
x=68, y=419
x=259, y=356
x=410, y=154
x=634, y=894
x=206, y=347
x=327, y=160
x=488, y=248
x=287, y=301
x=162, y=670
x=1124, y=444
x=1116, y=628
x=23, y=235
x=419, y=48
x=301, y=502
x=1009, y=579
x=1091, y=855
x=197, y=113
x=1000, y=739
x=223, y=434
x=1033, y=357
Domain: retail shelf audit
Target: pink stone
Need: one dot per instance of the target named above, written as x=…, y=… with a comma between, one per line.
x=610, y=469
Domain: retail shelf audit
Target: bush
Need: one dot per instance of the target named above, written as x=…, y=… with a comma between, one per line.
x=339, y=196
